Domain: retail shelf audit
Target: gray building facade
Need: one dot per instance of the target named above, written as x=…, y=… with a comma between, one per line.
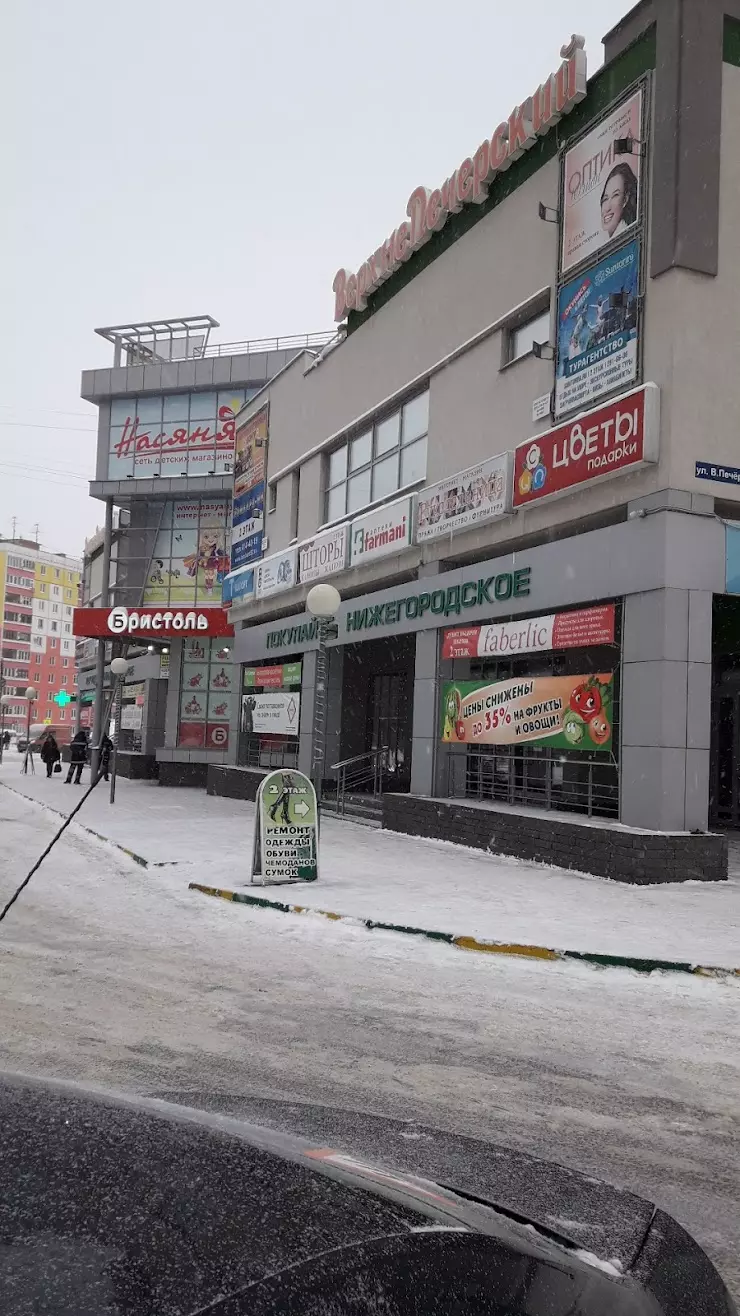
x=600, y=261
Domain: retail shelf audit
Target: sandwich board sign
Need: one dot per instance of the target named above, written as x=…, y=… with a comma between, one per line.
x=286, y=844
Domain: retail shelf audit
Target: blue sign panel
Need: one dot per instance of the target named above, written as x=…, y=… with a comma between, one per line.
x=720, y=474
x=598, y=331
x=238, y=585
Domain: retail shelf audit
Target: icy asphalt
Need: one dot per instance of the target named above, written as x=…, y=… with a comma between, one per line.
x=383, y=1045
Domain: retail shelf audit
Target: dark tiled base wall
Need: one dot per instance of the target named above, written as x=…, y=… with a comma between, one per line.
x=234, y=783
x=139, y=767
x=183, y=774
x=624, y=856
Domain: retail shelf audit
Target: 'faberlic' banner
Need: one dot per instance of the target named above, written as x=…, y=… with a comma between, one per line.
x=564, y=712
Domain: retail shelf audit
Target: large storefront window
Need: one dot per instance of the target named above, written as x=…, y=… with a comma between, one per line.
x=577, y=773
x=270, y=715
x=206, y=694
x=176, y=552
x=173, y=434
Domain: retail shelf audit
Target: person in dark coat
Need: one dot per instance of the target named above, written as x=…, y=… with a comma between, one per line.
x=106, y=749
x=78, y=758
x=50, y=752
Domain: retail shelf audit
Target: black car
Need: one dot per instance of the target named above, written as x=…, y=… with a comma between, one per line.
x=112, y=1205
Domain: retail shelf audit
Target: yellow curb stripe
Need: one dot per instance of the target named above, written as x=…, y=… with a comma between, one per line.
x=502, y=948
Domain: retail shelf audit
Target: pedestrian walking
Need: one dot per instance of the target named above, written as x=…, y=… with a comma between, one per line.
x=50, y=752
x=78, y=758
x=106, y=749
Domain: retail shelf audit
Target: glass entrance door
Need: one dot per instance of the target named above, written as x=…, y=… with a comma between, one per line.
x=389, y=726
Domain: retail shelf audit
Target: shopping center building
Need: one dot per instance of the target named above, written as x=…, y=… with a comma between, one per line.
x=519, y=464
x=153, y=573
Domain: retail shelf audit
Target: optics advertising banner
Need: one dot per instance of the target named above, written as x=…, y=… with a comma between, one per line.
x=564, y=712
x=248, y=511
x=602, y=184
x=597, y=337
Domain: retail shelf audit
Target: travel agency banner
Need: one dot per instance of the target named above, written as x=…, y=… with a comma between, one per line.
x=598, y=331
x=479, y=493
x=248, y=509
x=563, y=712
x=561, y=630
x=602, y=184
x=621, y=435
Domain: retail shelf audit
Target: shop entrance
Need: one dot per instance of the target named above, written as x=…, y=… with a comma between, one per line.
x=377, y=705
x=724, y=791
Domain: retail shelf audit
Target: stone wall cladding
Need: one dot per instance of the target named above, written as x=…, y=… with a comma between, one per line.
x=182, y=774
x=639, y=858
x=234, y=783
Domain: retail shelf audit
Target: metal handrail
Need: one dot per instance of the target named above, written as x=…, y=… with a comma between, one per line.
x=284, y=342
x=368, y=772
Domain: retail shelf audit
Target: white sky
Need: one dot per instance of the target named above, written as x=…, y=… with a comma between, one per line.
x=174, y=157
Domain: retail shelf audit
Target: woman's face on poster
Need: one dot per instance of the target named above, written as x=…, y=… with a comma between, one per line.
x=612, y=204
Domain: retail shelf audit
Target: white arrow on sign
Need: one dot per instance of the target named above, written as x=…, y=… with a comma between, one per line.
x=301, y=808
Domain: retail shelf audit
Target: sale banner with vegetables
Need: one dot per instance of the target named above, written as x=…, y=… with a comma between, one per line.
x=564, y=712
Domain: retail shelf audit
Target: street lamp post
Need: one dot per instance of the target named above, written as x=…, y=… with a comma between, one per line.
x=119, y=667
x=322, y=602
x=30, y=695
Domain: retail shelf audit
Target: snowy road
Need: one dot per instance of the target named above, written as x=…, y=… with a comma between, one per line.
x=124, y=978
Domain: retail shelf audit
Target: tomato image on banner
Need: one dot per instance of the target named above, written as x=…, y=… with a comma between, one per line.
x=564, y=712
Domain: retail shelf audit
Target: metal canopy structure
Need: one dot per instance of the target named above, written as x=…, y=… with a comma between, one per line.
x=180, y=338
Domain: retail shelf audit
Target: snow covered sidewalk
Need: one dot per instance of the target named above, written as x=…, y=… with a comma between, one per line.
x=409, y=882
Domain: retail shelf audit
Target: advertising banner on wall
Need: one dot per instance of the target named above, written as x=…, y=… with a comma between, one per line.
x=324, y=555
x=564, y=712
x=277, y=714
x=386, y=530
x=597, y=336
x=478, y=494
x=276, y=573
x=561, y=630
x=602, y=182
x=619, y=436
x=274, y=677
x=248, y=511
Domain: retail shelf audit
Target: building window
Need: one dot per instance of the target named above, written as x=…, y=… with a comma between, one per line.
x=67, y=593
x=382, y=459
x=64, y=679
x=55, y=625
x=43, y=570
x=50, y=678
x=62, y=714
x=65, y=662
x=67, y=626
x=40, y=624
x=55, y=590
x=271, y=497
x=521, y=334
x=206, y=695
x=55, y=607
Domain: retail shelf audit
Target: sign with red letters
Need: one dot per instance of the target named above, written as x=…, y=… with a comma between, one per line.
x=622, y=435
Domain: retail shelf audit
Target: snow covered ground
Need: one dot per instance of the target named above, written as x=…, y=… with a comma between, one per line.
x=409, y=881
x=121, y=976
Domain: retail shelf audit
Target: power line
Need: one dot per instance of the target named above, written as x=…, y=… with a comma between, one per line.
x=49, y=411
x=28, y=425
x=26, y=466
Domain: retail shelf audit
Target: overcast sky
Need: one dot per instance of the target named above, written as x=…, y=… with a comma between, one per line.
x=174, y=157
